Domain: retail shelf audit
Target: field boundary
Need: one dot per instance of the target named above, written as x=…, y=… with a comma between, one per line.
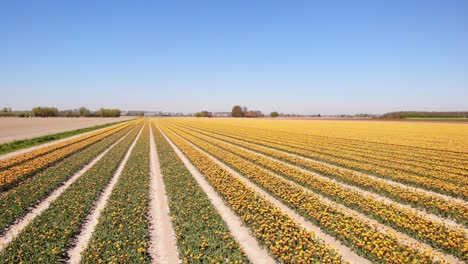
x=19, y=151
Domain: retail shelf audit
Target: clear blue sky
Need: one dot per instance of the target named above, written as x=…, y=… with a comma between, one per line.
x=290, y=56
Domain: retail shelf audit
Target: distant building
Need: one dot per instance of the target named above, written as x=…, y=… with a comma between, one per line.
x=253, y=114
x=221, y=114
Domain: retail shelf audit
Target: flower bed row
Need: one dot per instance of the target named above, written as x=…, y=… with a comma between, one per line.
x=13, y=175
x=433, y=184
x=122, y=234
x=47, y=237
x=283, y=237
x=15, y=160
x=15, y=203
x=438, y=205
x=404, y=220
x=352, y=231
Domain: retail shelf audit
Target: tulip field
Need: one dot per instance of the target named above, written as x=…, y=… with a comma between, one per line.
x=239, y=190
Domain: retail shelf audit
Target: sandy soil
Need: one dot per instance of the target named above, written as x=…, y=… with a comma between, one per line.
x=15, y=128
x=163, y=240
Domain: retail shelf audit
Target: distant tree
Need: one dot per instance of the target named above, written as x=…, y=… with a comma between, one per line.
x=274, y=114
x=103, y=112
x=84, y=112
x=140, y=114
x=237, y=111
x=198, y=114
x=244, y=109
x=40, y=111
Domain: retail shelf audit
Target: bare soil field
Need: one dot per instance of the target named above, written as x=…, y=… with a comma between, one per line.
x=15, y=128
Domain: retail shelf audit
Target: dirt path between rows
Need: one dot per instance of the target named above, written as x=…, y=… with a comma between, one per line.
x=163, y=248
x=15, y=229
x=241, y=233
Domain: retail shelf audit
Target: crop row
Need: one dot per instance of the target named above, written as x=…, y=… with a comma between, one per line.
x=419, y=199
x=416, y=141
x=16, y=202
x=352, y=231
x=403, y=152
x=47, y=237
x=421, y=165
x=15, y=160
x=307, y=151
x=13, y=175
x=404, y=220
x=202, y=235
x=122, y=234
x=284, y=238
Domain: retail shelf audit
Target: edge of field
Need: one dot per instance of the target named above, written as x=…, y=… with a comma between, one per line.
x=24, y=145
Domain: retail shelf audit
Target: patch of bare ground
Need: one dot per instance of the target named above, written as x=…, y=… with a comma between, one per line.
x=16, y=128
x=163, y=247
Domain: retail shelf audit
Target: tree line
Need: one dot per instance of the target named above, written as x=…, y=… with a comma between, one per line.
x=425, y=114
x=46, y=111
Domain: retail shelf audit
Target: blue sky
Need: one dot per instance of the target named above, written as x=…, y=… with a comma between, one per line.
x=289, y=56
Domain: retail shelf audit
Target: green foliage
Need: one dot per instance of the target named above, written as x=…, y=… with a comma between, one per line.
x=423, y=114
x=274, y=114
x=44, y=111
x=237, y=111
x=103, y=112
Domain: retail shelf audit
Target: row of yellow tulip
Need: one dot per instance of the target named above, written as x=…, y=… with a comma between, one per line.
x=47, y=238
x=436, y=185
x=447, y=137
x=17, y=173
x=284, y=238
x=406, y=221
x=331, y=152
x=350, y=230
x=298, y=130
x=436, y=204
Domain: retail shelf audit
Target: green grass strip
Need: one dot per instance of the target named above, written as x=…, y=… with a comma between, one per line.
x=46, y=239
x=16, y=202
x=122, y=234
x=26, y=143
x=202, y=235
